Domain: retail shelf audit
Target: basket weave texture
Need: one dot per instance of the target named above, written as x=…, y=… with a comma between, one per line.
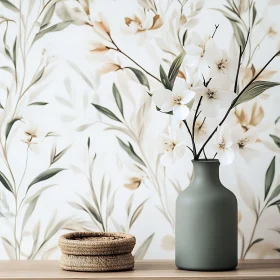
x=96, y=251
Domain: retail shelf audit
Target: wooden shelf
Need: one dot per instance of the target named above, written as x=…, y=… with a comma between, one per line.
x=154, y=270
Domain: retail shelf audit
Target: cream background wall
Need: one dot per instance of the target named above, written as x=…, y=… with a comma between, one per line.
x=66, y=166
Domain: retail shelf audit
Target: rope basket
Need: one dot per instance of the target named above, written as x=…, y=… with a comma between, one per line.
x=96, y=251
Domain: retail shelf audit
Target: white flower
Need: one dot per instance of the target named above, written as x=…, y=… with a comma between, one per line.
x=32, y=135
x=214, y=97
x=220, y=63
x=243, y=140
x=223, y=145
x=175, y=100
x=196, y=48
x=173, y=147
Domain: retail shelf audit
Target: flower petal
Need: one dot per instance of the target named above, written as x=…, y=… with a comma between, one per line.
x=187, y=96
x=179, y=151
x=167, y=158
x=163, y=97
x=226, y=156
x=210, y=107
x=181, y=111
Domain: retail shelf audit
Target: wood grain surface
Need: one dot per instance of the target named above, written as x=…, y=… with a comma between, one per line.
x=155, y=270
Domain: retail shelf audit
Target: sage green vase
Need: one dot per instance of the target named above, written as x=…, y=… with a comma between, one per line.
x=206, y=222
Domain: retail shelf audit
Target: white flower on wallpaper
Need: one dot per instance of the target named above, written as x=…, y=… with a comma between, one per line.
x=78, y=125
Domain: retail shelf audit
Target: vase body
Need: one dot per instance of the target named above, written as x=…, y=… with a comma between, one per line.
x=206, y=222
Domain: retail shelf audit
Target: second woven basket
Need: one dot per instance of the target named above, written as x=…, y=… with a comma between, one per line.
x=97, y=251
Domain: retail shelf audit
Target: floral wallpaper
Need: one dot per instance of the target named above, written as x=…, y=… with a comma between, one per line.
x=79, y=132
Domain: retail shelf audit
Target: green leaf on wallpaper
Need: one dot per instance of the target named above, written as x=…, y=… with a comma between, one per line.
x=277, y=120
x=143, y=248
x=6, y=183
x=269, y=176
x=15, y=53
x=47, y=18
x=118, y=98
x=254, y=90
x=54, y=28
x=227, y=15
x=255, y=242
x=130, y=151
x=44, y=176
x=254, y=14
x=38, y=104
x=136, y=213
x=9, y=6
x=238, y=34
x=1, y=106
x=56, y=157
x=274, y=194
x=275, y=139
x=10, y=125
x=7, y=52
x=88, y=208
x=8, y=69
x=275, y=203
x=106, y=112
x=164, y=79
x=174, y=68
x=140, y=76
x=29, y=211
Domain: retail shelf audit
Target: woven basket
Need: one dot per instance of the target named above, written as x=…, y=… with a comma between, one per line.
x=96, y=251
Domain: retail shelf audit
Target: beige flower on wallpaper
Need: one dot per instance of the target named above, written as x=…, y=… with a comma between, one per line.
x=142, y=24
x=248, y=115
x=247, y=73
x=33, y=135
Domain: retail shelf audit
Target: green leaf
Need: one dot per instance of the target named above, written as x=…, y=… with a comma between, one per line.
x=130, y=151
x=106, y=112
x=254, y=14
x=136, y=213
x=174, y=68
x=275, y=193
x=38, y=104
x=118, y=98
x=142, y=250
x=275, y=139
x=47, y=18
x=164, y=79
x=60, y=154
x=5, y=43
x=6, y=183
x=277, y=120
x=9, y=6
x=1, y=106
x=9, y=126
x=269, y=176
x=88, y=143
x=227, y=15
x=255, y=242
x=44, y=176
x=54, y=28
x=78, y=70
x=8, y=69
x=255, y=89
x=15, y=53
x=29, y=210
x=140, y=76
x=276, y=203
x=37, y=77
x=238, y=34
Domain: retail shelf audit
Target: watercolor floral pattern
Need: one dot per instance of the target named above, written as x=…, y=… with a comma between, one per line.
x=78, y=127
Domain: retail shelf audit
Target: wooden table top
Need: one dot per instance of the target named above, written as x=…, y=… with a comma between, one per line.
x=45, y=270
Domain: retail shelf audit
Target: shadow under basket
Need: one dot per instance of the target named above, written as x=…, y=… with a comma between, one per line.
x=96, y=251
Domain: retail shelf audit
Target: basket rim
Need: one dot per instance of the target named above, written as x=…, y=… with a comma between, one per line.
x=67, y=239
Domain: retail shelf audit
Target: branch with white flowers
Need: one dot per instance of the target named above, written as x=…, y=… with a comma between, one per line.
x=205, y=95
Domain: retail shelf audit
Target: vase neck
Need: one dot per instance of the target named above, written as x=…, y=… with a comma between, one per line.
x=206, y=173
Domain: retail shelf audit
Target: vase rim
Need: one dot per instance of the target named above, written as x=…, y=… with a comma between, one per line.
x=204, y=160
